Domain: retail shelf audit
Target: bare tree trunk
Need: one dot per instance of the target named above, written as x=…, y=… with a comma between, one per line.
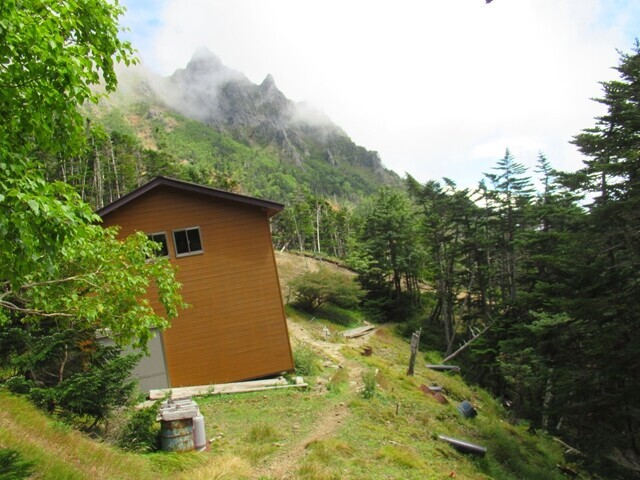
x=98, y=185
x=63, y=365
x=548, y=396
x=300, y=242
x=318, y=209
x=415, y=342
x=84, y=179
x=115, y=170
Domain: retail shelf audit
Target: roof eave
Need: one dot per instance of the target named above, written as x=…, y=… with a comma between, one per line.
x=270, y=207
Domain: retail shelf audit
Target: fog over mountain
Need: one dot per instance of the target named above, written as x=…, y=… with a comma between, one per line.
x=202, y=113
x=210, y=92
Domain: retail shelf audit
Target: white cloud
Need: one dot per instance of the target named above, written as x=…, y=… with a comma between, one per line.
x=438, y=88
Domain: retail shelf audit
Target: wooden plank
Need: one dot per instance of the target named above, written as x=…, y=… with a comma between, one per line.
x=358, y=332
x=178, y=414
x=226, y=388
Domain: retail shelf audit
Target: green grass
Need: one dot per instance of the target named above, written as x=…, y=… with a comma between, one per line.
x=57, y=451
x=392, y=434
x=306, y=360
x=340, y=316
x=257, y=425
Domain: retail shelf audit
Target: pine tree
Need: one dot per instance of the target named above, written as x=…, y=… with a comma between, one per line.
x=390, y=255
x=606, y=307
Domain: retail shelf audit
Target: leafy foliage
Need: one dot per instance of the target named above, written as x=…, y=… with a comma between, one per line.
x=55, y=262
x=313, y=289
x=66, y=371
x=141, y=433
x=12, y=467
x=306, y=360
x=389, y=260
x=62, y=276
x=370, y=382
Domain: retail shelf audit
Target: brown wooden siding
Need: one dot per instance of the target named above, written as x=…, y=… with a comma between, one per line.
x=235, y=328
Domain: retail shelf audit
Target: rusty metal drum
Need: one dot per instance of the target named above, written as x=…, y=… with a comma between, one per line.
x=177, y=435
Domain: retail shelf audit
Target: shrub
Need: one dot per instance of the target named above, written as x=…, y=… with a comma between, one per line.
x=340, y=316
x=98, y=389
x=314, y=289
x=12, y=466
x=89, y=380
x=141, y=433
x=306, y=360
x=369, y=380
x=19, y=385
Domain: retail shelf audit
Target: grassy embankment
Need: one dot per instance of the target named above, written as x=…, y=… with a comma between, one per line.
x=329, y=431
x=392, y=435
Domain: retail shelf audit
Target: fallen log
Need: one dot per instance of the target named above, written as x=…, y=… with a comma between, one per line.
x=466, y=344
x=430, y=390
x=435, y=394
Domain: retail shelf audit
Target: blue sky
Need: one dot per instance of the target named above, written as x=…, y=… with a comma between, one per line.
x=437, y=88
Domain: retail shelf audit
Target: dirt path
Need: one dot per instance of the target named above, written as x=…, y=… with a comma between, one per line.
x=283, y=465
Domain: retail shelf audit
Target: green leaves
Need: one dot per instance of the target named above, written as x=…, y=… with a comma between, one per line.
x=55, y=261
x=314, y=289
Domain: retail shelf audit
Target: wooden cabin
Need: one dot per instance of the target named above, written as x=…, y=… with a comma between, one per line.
x=235, y=327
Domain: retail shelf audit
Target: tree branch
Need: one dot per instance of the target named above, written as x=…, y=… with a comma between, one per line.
x=81, y=278
x=29, y=311
x=466, y=344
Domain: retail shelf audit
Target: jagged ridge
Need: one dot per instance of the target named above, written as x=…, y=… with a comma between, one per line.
x=309, y=145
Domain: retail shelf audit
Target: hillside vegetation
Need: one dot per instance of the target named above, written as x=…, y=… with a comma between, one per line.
x=546, y=282
x=325, y=432
x=214, y=121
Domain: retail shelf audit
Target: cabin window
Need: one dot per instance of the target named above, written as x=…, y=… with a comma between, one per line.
x=187, y=241
x=160, y=238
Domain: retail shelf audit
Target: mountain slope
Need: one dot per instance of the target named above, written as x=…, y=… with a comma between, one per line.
x=328, y=431
x=58, y=452
x=210, y=113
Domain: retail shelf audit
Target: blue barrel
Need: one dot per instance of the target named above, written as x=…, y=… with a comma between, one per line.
x=466, y=409
x=177, y=435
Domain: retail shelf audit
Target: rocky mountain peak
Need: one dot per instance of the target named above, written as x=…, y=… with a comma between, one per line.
x=268, y=82
x=206, y=66
x=204, y=57
x=260, y=114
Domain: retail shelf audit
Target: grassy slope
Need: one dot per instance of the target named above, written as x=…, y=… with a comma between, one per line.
x=60, y=452
x=392, y=435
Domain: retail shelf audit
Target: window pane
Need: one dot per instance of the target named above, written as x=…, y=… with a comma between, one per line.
x=160, y=238
x=194, y=240
x=180, y=239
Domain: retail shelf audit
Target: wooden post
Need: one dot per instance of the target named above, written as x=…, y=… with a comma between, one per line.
x=415, y=341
